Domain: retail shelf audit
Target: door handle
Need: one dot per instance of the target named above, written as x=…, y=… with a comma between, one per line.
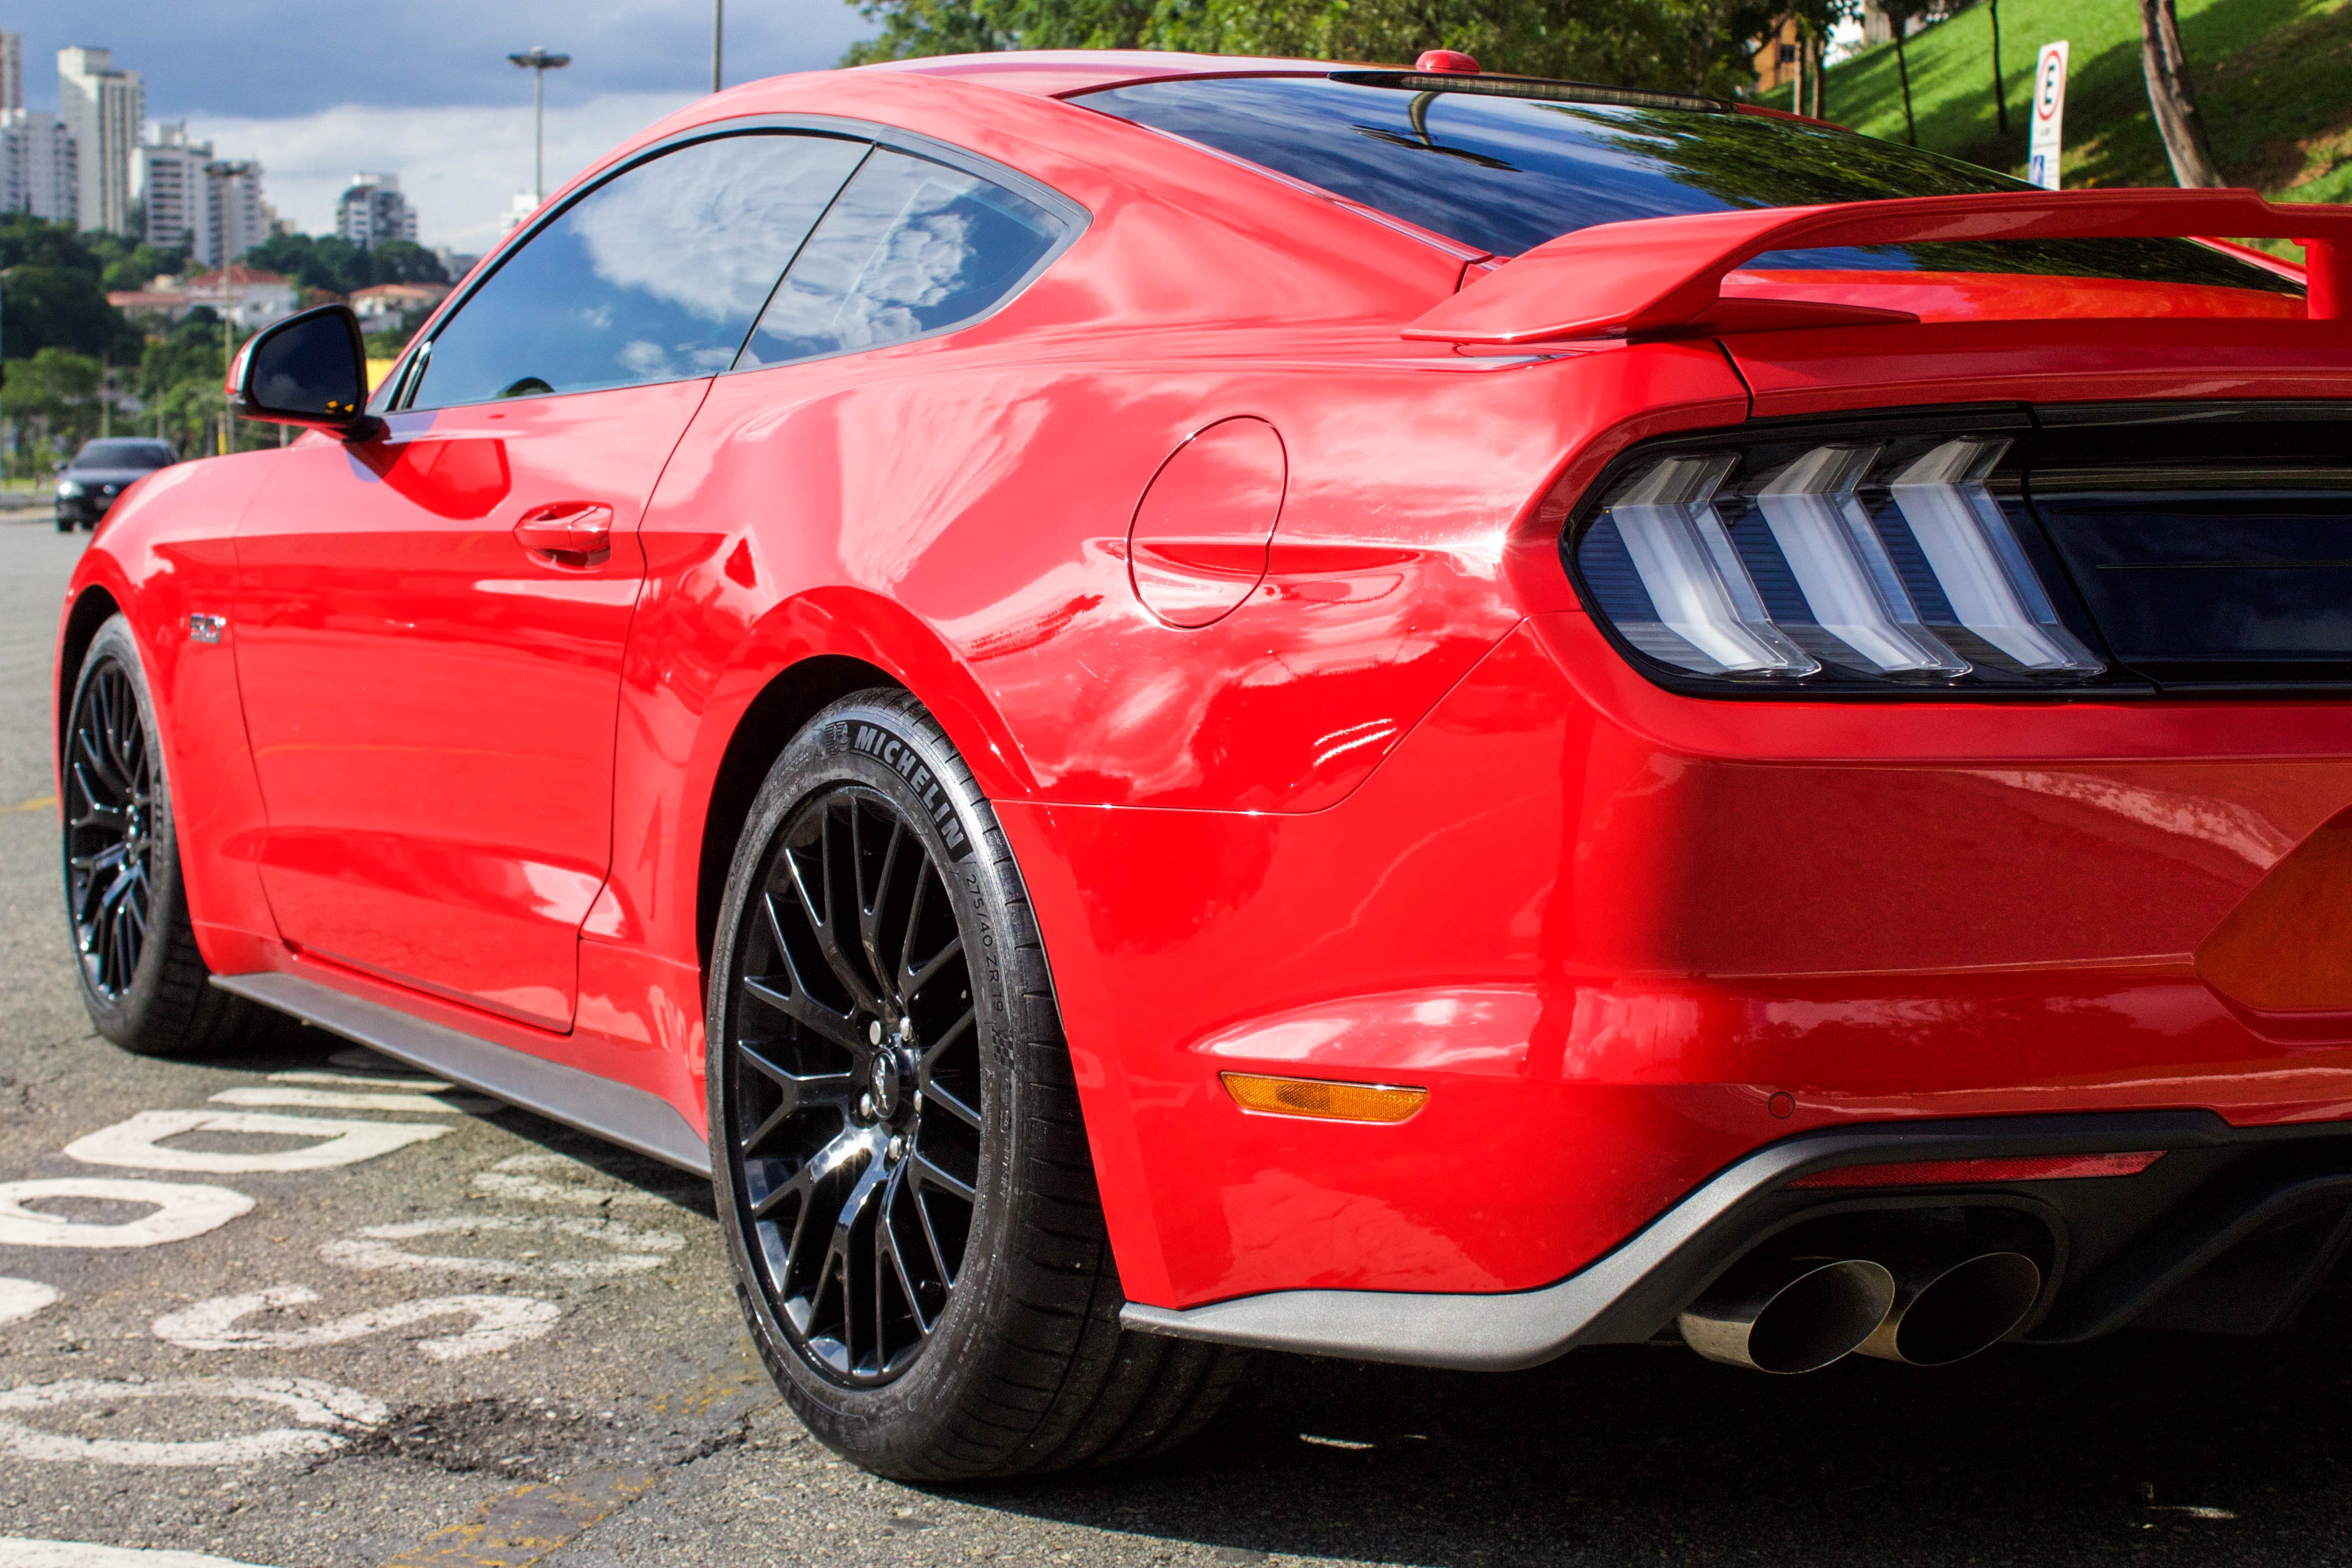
x=568, y=532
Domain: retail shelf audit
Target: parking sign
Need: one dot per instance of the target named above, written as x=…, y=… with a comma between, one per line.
x=2049, y=116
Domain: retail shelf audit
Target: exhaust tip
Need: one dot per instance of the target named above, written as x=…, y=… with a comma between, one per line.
x=1787, y=1315
x=1948, y=1313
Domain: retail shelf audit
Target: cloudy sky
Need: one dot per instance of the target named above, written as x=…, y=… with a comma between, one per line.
x=422, y=90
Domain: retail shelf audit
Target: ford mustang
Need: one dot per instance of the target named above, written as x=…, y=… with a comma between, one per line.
x=1162, y=705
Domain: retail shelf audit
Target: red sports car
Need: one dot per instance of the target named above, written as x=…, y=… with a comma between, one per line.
x=1160, y=704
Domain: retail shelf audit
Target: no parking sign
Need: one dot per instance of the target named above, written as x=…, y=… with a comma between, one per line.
x=2049, y=116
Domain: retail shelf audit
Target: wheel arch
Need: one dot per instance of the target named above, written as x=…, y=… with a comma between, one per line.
x=92, y=608
x=793, y=696
x=801, y=654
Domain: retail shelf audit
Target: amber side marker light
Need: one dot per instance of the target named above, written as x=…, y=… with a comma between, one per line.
x=1322, y=1100
x=1952, y=1173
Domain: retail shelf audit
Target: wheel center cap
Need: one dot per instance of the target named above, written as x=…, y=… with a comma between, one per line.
x=882, y=1082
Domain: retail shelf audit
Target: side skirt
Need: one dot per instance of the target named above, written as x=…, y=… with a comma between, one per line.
x=613, y=1112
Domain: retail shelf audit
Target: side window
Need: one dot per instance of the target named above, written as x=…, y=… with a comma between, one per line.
x=655, y=275
x=912, y=247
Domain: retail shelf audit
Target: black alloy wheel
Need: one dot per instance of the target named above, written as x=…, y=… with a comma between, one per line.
x=855, y=1127
x=110, y=811
x=898, y=1151
x=143, y=980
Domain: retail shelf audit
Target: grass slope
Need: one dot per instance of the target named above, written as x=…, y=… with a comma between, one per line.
x=2272, y=77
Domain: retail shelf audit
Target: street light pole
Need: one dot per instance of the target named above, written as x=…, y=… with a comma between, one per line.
x=539, y=62
x=222, y=171
x=717, y=35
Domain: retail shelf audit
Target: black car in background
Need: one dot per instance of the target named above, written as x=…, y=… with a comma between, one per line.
x=101, y=472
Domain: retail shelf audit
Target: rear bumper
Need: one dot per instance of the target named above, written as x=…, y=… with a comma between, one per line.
x=1628, y=940
x=2229, y=1232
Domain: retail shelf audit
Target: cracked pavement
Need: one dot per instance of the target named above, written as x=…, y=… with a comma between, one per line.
x=505, y=1343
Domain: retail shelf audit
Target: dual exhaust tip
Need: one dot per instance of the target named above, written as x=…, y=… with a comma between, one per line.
x=1791, y=1314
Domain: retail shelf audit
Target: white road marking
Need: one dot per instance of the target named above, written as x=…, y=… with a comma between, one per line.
x=182, y=1209
x=322, y=1411
x=517, y=1178
x=342, y=1142
x=501, y=1322
x=635, y=1251
x=373, y=1081
x=347, y=1099
x=23, y=1298
x=16, y=1552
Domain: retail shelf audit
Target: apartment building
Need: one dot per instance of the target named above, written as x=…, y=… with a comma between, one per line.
x=38, y=169
x=103, y=107
x=372, y=211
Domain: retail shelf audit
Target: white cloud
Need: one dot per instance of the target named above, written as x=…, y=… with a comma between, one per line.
x=458, y=167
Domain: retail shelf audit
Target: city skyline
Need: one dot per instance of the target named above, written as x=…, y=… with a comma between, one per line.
x=440, y=107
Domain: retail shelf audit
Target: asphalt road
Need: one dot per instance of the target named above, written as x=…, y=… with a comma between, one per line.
x=497, y=1343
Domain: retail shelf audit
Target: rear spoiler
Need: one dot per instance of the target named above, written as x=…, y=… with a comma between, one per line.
x=1663, y=276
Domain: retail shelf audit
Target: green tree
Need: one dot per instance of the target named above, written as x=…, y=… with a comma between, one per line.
x=53, y=295
x=58, y=307
x=52, y=396
x=1691, y=45
x=127, y=264
x=28, y=241
x=337, y=265
x=191, y=351
x=404, y=261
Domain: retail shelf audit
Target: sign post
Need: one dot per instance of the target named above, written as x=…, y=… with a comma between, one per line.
x=2049, y=116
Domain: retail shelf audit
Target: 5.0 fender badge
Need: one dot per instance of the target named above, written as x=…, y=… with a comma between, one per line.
x=206, y=628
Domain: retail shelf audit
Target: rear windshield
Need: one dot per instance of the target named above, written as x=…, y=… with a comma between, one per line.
x=1507, y=174
x=122, y=455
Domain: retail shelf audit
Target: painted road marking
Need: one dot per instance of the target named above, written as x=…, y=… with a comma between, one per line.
x=346, y=1100
x=554, y=1179
x=322, y=1411
x=528, y=1523
x=38, y=802
x=633, y=1251
x=16, y=1552
x=20, y=1299
x=374, y=1081
x=501, y=1322
x=342, y=1143
x=182, y=1209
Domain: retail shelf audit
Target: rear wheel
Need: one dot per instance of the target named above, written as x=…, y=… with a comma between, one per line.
x=896, y=1141
x=143, y=980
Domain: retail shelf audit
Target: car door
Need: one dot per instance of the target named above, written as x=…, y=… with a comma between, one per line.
x=429, y=624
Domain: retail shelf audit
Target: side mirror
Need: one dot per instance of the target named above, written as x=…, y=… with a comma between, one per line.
x=309, y=369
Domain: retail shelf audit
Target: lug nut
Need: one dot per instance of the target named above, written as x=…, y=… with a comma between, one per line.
x=897, y=1148
x=865, y=1106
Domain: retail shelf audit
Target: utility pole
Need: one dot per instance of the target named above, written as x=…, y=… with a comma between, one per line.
x=539, y=62
x=222, y=171
x=717, y=35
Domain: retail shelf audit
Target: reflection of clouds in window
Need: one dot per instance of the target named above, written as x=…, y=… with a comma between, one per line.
x=654, y=276
x=909, y=246
x=648, y=362
x=744, y=208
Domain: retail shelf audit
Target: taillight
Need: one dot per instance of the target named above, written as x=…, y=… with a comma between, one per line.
x=1881, y=560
